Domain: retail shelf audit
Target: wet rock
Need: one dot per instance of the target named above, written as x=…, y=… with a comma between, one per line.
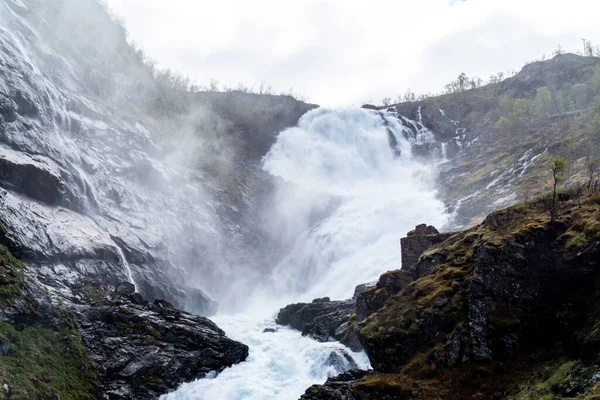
x=336, y=388
x=137, y=298
x=143, y=351
x=163, y=304
x=125, y=288
x=320, y=320
x=269, y=330
x=341, y=361
x=35, y=176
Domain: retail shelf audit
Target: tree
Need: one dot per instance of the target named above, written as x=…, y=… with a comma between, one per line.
x=386, y=101
x=409, y=96
x=596, y=79
x=591, y=164
x=558, y=165
x=543, y=103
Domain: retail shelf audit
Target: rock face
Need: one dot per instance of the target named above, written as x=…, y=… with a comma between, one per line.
x=145, y=350
x=111, y=172
x=320, y=319
x=370, y=300
x=416, y=242
x=100, y=185
x=336, y=388
x=515, y=290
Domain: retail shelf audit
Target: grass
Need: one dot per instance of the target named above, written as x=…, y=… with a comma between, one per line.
x=12, y=277
x=43, y=362
x=551, y=382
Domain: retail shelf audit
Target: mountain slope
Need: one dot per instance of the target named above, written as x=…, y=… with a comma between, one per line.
x=499, y=138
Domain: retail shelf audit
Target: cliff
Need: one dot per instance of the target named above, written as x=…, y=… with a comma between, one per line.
x=113, y=173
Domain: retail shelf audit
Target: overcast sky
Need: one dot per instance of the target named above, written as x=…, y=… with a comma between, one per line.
x=346, y=52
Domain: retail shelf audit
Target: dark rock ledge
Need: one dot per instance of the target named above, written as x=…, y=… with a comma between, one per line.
x=143, y=349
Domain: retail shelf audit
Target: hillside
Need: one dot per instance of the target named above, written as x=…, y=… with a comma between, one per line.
x=498, y=139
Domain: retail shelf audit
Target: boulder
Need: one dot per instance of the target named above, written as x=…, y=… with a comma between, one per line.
x=319, y=320
x=143, y=350
x=125, y=288
x=361, y=288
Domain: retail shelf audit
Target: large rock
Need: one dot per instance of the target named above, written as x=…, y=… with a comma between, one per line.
x=336, y=388
x=320, y=319
x=40, y=178
x=145, y=350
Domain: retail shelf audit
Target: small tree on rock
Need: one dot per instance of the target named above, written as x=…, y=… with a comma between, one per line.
x=558, y=165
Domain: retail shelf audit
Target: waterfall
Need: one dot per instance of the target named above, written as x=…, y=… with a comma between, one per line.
x=337, y=164
x=127, y=267
x=345, y=155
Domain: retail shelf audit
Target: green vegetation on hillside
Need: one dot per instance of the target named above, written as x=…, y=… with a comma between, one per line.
x=11, y=277
x=42, y=363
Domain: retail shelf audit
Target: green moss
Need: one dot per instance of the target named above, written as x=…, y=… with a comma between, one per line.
x=43, y=362
x=12, y=277
x=551, y=384
x=576, y=240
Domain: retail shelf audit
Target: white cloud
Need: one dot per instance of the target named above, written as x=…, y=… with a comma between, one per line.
x=340, y=52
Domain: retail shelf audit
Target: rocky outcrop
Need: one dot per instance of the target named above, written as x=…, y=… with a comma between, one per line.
x=515, y=290
x=416, y=242
x=369, y=300
x=146, y=349
x=336, y=388
x=113, y=344
x=257, y=119
x=320, y=320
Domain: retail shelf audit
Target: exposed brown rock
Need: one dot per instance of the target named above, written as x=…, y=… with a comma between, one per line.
x=416, y=242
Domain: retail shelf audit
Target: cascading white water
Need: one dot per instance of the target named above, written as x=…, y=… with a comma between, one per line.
x=339, y=161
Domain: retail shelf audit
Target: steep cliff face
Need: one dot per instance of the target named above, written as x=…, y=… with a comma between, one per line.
x=112, y=172
x=506, y=309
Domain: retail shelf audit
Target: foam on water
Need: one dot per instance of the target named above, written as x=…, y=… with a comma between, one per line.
x=281, y=365
x=340, y=157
